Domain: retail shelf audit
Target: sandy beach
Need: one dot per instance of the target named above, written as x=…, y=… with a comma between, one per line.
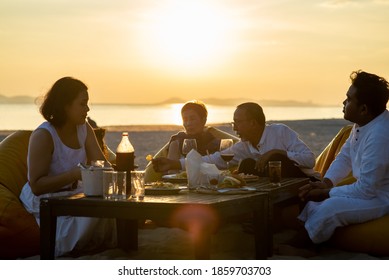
x=230, y=242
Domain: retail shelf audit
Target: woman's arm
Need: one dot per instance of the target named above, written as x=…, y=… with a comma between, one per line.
x=93, y=150
x=40, y=152
x=174, y=153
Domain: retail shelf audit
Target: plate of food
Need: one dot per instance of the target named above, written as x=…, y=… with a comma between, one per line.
x=249, y=178
x=176, y=178
x=162, y=188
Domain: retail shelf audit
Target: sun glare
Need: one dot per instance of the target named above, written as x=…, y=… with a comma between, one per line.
x=187, y=35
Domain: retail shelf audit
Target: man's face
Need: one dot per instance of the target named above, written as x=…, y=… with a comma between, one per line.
x=351, y=107
x=242, y=124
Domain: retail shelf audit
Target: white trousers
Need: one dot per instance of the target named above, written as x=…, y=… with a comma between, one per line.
x=322, y=218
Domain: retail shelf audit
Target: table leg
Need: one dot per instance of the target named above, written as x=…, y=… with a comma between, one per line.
x=261, y=233
x=48, y=229
x=127, y=234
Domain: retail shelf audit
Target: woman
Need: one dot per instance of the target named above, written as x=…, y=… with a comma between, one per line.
x=194, y=117
x=55, y=149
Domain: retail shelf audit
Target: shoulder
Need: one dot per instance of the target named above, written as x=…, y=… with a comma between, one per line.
x=41, y=137
x=279, y=127
x=178, y=136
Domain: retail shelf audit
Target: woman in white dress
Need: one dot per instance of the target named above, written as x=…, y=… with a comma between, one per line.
x=55, y=149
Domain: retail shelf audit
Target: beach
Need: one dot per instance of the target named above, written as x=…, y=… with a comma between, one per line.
x=230, y=242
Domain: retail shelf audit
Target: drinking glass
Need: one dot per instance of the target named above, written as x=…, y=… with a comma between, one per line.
x=188, y=145
x=226, y=154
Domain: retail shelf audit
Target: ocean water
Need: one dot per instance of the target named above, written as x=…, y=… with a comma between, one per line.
x=27, y=116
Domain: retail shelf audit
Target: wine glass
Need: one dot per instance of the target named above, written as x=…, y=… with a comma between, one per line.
x=188, y=145
x=225, y=152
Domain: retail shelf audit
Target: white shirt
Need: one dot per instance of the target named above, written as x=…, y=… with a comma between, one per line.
x=366, y=154
x=275, y=136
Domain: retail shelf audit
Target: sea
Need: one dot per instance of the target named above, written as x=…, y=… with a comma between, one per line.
x=27, y=116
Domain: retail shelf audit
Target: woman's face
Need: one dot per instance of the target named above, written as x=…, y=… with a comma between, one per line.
x=78, y=110
x=192, y=122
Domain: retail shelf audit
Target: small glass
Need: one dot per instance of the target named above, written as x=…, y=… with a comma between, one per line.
x=114, y=185
x=275, y=172
x=137, y=185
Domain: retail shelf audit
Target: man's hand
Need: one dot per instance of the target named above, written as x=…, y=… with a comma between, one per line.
x=163, y=164
x=315, y=191
x=264, y=159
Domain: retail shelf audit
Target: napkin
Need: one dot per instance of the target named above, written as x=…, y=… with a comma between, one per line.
x=193, y=162
x=208, y=171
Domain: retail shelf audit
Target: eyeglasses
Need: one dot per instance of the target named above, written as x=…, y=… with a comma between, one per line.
x=238, y=122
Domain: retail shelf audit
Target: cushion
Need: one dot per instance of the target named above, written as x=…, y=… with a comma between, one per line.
x=19, y=232
x=13, y=161
x=370, y=237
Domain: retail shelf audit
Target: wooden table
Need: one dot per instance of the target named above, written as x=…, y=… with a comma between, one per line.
x=185, y=209
x=286, y=193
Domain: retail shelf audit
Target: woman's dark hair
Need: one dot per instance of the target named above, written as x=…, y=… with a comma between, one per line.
x=197, y=106
x=372, y=90
x=253, y=111
x=62, y=94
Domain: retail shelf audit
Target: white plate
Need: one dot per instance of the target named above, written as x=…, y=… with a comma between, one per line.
x=174, y=179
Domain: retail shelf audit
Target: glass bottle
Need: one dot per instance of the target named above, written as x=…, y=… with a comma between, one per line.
x=125, y=158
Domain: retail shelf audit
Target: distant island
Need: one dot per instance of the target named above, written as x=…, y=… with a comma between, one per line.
x=22, y=99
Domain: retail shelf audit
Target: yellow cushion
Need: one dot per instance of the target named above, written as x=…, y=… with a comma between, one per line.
x=370, y=237
x=13, y=161
x=19, y=232
x=152, y=176
x=324, y=160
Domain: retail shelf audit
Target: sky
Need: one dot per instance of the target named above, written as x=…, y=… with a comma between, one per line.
x=147, y=51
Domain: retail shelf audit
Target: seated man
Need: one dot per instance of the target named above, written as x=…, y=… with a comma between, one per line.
x=365, y=154
x=259, y=144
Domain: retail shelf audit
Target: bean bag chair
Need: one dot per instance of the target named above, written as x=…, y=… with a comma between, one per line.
x=19, y=232
x=371, y=237
x=152, y=176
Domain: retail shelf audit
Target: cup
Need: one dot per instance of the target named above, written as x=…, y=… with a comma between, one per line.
x=92, y=180
x=137, y=185
x=114, y=185
x=275, y=172
x=108, y=184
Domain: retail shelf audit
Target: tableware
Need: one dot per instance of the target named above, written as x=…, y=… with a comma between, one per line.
x=249, y=178
x=137, y=185
x=188, y=145
x=92, y=180
x=114, y=185
x=275, y=172
x=225, y=152
x=243, y=190
x=174, y=178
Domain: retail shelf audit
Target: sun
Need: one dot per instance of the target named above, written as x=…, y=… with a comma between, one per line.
x=187, y=35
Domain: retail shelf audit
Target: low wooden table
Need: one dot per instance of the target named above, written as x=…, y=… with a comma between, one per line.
x=184, y=208
x=286, y=193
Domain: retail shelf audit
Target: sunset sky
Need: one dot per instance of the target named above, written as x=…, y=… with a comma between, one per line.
x=146, y=51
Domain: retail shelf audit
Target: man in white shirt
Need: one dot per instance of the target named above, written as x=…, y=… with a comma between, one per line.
x=365, y=153
x=260, y=142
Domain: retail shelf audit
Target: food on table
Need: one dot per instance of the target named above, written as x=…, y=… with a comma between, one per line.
x=181, y=175
x=232, y=181
x=149, y=157
x=162, y=185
